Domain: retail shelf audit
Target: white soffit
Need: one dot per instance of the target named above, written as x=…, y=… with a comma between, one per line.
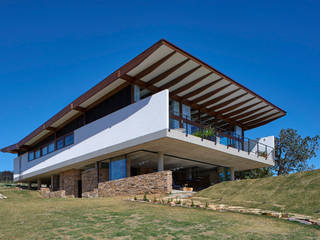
x=153, y=58
x=103, y=92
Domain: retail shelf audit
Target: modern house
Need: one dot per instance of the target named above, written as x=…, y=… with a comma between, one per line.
x=162, y=121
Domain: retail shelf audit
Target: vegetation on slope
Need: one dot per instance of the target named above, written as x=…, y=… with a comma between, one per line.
x=26, y=215
x=296, y=193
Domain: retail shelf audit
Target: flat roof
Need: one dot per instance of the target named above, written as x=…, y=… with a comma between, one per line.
x=189, y=80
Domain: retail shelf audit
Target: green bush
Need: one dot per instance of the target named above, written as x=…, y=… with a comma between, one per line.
x=205, y=133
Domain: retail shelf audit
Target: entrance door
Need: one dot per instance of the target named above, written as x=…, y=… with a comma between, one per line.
x=79, y=188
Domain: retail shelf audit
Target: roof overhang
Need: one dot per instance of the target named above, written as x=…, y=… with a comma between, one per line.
x=209, y=92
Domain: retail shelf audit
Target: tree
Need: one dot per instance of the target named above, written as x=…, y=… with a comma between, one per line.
x=255, y=173
x=293, y=152
x=6, y=176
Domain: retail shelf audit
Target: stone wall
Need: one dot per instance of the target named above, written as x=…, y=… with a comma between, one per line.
x=69, y=182
x=46, y=193
x=90, y=181
x=158, y=182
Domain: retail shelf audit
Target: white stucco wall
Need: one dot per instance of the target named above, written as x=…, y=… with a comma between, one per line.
x=142, y=121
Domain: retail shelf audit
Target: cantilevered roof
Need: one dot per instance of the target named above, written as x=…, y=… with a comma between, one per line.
x=189, y=80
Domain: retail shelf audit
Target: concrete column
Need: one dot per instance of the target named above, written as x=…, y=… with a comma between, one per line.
x=98, y=172
x=232, y=174
x=51, y=185
x=160, y=162
x=39, y=183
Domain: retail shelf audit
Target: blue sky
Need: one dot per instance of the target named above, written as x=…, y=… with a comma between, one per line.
x=52, y=52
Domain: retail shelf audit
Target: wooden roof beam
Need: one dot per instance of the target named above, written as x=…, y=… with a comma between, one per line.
x=133, y=80
x=190, y=84
x=217, y=99
x=51, y=129
x=234, y=106
x=255, y=116
x=199, y=90
x=209, y=94
x=80, y=109
x=166, y=73
x=225, y=103
x=180, y=78
x=261, y=119
x=263, y=123
x=243, y=109
x=153, y=66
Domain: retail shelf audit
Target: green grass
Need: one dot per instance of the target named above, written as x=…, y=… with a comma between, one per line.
x=296, y=193
x=25, y=215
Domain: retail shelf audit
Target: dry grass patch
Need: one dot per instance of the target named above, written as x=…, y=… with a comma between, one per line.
x=26, y=214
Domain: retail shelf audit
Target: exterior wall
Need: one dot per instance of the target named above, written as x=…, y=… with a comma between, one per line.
x=90, y=180
x=129, y=126
x=69, y=182
x=158, y=182
x=46, y=193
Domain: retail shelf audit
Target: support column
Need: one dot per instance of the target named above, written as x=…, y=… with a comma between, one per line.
x=29, y=185
x=232, y=174
x=160, y=162
x=51, y=185
x=98, y=172
x=128, y=166
x=38, y=184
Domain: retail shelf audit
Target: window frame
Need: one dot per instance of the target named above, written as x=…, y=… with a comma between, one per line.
x=44, y=147
x=31, y=152
x=63, y=142
x=54, y=147
x=65, y=137
x=52, y=143
x=35, y=153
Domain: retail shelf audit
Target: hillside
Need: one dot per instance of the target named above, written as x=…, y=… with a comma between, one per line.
x=296, y=193
x=26, y=215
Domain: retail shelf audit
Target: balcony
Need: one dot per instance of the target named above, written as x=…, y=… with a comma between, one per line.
x=220, y=136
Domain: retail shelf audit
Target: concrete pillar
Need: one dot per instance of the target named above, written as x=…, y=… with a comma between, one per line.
x=160, y=162
x=98, y=172
x=38, y=184
x=232, y=174
x=51, y=184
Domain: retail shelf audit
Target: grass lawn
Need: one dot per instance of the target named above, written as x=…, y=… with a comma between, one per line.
x=296, y=193
x=25, y=215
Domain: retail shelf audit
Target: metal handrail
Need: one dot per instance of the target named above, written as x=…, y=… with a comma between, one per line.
x=233, y=140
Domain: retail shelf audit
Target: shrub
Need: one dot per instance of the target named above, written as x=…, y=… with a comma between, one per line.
x=145, y=197
x=205, y=133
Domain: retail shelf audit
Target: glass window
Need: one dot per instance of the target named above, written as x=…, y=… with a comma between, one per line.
x=44, y=150
x=69, y=140
x=37, y=153
x=136, y=93
x=51, y=147
x=31, y=156
x=60, y=143
x=118, y=169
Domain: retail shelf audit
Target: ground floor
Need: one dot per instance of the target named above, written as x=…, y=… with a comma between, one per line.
x=137, y=172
